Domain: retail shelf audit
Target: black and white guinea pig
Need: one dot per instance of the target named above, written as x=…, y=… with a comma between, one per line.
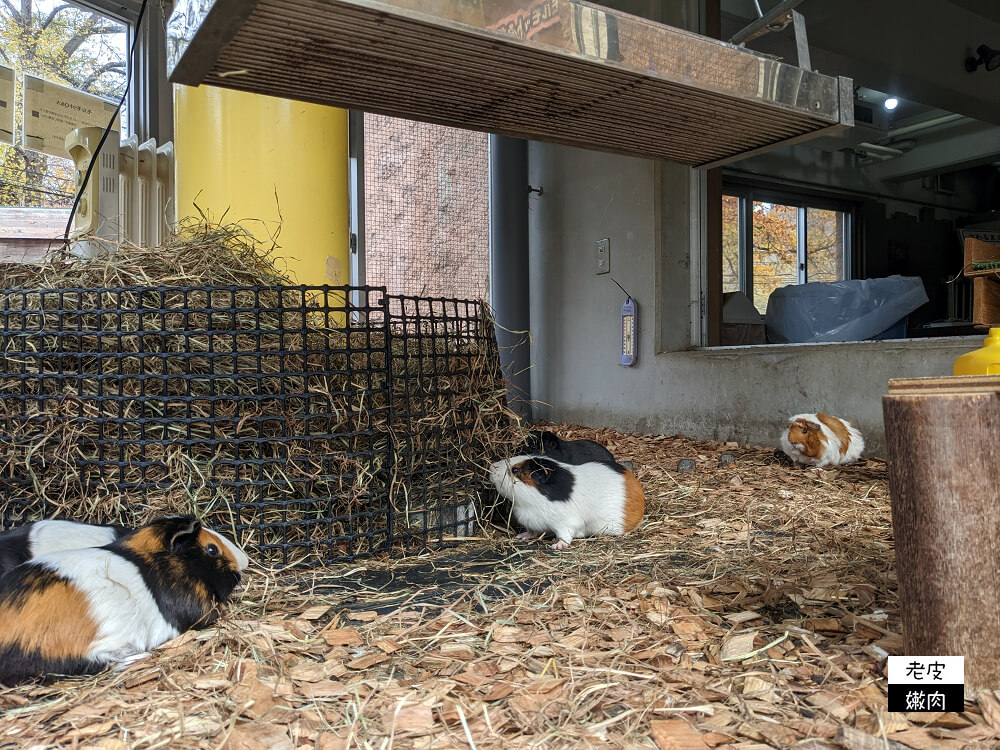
x=569, y=500
x=821, y=440
x=77, y=611
x=41, y=537
x=574, y=452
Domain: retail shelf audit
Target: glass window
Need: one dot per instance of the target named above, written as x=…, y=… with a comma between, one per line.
x=825, y=240
x=787, y=242
x=775, y=250
x=730, y=243
x=64, y=44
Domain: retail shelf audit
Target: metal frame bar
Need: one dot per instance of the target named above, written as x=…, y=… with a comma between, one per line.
x=801, y=244
x=150, y=101
x=801, y=40
x=746, y=244
x=760, y=26
x=356, y=188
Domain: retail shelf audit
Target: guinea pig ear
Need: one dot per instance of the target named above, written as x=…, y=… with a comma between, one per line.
x=541, y=473
x=550, y=442
x=532, y=442
x=185, y=533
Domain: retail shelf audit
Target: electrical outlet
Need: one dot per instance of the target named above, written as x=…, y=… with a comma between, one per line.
x=602, y=253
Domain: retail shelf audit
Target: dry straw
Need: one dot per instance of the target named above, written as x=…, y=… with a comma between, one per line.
x=312, y=472
x=753, y=609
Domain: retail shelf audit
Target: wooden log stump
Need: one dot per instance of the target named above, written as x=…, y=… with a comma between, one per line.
x=943, y=449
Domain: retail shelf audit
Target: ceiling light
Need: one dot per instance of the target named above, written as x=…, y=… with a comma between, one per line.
x=891, y=103
x=989, y=58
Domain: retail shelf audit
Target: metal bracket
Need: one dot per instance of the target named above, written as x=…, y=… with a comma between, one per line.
x=801, y=40
x=775, y=19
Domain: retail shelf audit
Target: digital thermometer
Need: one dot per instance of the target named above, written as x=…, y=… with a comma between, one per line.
x=629, y=329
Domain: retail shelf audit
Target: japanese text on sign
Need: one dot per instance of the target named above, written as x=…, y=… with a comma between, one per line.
x=926, y=683
x=52, y=111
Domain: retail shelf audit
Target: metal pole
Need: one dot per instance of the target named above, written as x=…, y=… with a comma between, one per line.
x=509, y=264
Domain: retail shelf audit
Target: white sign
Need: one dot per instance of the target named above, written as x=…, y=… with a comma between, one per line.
x=911, y=670
x=52, y=111
x=6, y=105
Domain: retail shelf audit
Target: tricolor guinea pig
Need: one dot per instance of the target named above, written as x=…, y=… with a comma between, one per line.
x=574, y=452
x=77, y=611
x=821, y=440
x=41, y=537
x=569, y=500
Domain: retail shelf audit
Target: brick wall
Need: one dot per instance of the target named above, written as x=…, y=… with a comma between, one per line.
x=426, y=208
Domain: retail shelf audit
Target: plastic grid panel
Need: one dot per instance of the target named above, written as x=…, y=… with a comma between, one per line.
x=444, y=351
x=272, y=407
x=269, y=403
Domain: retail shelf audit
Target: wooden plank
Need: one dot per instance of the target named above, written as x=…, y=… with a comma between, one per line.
x=944, y=385
x=646, y=89
x=985, y=301
x=18, y=222
x=27, y=250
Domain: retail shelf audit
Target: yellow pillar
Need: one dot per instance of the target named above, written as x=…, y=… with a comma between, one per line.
x=250, y=157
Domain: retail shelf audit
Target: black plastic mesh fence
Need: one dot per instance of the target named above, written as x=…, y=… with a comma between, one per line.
x=306, y=425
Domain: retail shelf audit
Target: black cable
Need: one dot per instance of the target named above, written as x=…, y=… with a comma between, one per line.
x=111, y=123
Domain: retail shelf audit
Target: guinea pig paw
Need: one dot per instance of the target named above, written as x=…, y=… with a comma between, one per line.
x=122, y=664
x=561, y=544
x=527, y=535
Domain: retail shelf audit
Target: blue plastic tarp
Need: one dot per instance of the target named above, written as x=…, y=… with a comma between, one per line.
x=840, y=310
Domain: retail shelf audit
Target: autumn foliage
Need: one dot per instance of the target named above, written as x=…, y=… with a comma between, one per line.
x=64, y=44
x=775, y=247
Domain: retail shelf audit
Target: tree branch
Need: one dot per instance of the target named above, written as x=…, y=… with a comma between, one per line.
x=51, y=17
x=13, y=11
x=107, y=67
x=71, y=46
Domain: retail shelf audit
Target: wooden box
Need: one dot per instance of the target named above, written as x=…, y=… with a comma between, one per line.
x=985, y=301
x=981, y=258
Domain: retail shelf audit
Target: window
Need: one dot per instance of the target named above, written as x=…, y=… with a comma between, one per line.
x=62, y=43
x=770, y=241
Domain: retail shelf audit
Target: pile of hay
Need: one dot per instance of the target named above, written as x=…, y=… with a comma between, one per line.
x=300, y=440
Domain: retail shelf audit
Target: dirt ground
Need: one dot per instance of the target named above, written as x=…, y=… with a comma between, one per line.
x=753, y=608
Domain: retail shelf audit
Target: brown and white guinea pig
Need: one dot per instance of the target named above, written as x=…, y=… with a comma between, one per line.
x=821, y=440
x=38, y=538
x=77, y=611
x=569, y=500
x=574, y=452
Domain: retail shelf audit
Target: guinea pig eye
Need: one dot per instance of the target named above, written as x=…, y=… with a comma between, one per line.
x=212, y=551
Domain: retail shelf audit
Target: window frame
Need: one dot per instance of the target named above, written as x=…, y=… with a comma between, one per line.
x=748, y=194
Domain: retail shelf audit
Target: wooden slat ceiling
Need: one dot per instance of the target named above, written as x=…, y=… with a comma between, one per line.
x=549, y=70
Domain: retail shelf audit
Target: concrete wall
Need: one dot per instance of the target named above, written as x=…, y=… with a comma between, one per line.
x=744, y=394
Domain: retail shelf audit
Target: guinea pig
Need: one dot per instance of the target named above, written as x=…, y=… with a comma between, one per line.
x=569, y=500
x=821, y=440
x=41, y=537
x=574, y=452
x=77, y=611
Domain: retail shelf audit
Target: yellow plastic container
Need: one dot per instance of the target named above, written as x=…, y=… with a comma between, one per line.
x=269, y=162
x=985, y=361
